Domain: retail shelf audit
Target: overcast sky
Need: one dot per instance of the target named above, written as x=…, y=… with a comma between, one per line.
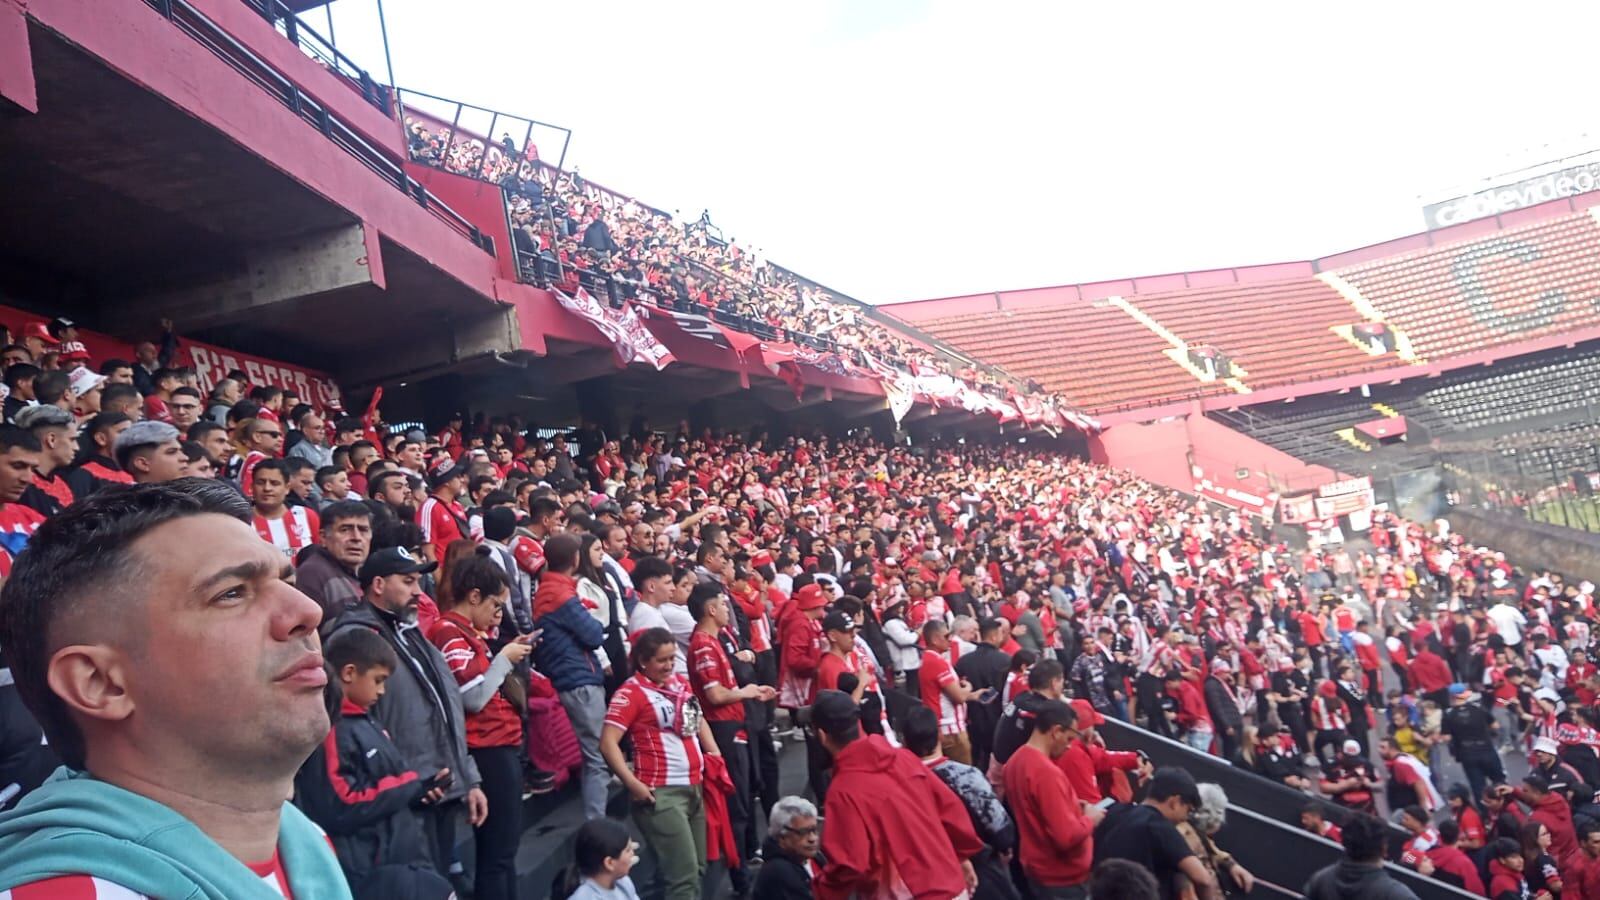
x=898, y=150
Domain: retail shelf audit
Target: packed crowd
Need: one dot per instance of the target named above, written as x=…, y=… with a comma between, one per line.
x=480, y=616
x=613, y=246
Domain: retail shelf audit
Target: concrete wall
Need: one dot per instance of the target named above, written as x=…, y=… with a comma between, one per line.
x=1533, y=545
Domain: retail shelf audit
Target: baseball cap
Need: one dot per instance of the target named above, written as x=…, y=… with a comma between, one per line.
x=1546, y=745
x=1087, y=716
x=393, y=561
x=1547, y=694
x=73, y=351
x=1457, y=689
x=58, y=325
x=837, y=621
x=82, y=381
x=810, y=597
x=37, y=330
x=444, y=468
x=761, y=558
x=1352, y=748
x=834, y=711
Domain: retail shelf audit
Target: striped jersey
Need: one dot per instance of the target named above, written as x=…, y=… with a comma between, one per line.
x=88, y=887
x=17, y=525
x=295, y=529
x=650, y=713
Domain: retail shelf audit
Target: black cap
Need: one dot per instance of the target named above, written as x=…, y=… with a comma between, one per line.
x=837, y=621
x=393, y=561
x=444, y=468
x=834, y=711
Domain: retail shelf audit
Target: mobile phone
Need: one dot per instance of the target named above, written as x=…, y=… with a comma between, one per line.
x=987, y=695
x=531, y=637
x=1105, y=803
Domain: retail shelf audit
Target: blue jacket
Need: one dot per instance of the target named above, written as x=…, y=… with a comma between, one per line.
x=565, y=651
x=78, y=825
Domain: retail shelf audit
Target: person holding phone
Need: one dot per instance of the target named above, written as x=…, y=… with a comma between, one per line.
x=480, y=591
x=357, y=785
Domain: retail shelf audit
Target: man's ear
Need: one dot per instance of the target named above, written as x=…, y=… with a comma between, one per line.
x=92, y=680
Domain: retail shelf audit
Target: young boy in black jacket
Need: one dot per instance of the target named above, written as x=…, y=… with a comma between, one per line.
x=356, y=785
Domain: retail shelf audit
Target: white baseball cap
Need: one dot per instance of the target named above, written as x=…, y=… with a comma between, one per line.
x=82, y=381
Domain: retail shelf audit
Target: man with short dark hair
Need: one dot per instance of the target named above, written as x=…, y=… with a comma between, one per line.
x=441, y=517
x=1360, y=875
x=122, y=398
x=289, y=528
x=150, y=452
x=175, y=794
x=894, y=829
x=1055, y=830
x=1147, y=834
x=326, y=571
x=989, y=817
x=184, y=407
x=95, y=468
x=19, y=456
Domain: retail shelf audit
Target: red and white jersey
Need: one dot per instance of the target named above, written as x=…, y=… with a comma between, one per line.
x=1409, y=771
x=88, y=887
x=528, y=552
x=650, y=714
x=936, y=672
x=17, y=524
x=1327, y=715
x=296, y=528
x=441, y=523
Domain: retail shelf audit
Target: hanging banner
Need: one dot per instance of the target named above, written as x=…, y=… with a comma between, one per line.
x=690, y=324
x=1344, y=504
x=212, y=364
x=1297, y=510
x=627, y=333
x=901, y=397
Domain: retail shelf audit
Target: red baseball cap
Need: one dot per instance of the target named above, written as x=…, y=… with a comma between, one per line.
x=810, y=597
x=1087, y=714
x=37, y=330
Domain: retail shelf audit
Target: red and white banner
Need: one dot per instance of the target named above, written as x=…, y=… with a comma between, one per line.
x=627, y=333
x=212, y=364
x=1297, y=510
x=1238, y=498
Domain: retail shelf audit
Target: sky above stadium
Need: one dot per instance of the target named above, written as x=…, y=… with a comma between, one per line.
x=902, y=150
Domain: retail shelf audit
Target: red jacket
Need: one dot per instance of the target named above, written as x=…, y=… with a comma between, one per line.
x=1453, y=861
x=1055, y=839
x=1556, y=814
x=1584, y=881
x=1428, y=672
x=800, y=639
x=894, y=829
x=1191, y=705
x=1503, y=880
x=1084, y=764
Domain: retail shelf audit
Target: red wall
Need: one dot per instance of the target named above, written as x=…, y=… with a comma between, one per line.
x=1161, y=452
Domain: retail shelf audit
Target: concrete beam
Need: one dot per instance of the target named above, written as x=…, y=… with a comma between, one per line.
x=494, y=333
x=721, y=386
x=307, y=266
x=554, y=370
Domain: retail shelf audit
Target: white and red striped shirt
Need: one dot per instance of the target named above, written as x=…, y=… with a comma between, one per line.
x=1327, y=715
x=650, y=713
x=295, y=529
x=88, y=887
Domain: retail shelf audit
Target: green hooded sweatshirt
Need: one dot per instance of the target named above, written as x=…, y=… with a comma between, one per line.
x=77, y=825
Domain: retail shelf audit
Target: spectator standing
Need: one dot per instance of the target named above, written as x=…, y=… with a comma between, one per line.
x=989, y=817
x=1360, y=875
x=944, y=693
x=1471, y=729
x=566, y=655
x=894, y=829
x=95, y=469
x=1054, y=828
x=357, y=785
x=479, y=593
x=440, y=516
x=19, y=455
x=421, y=706
x=723, y=701
x=326, y=571
x=57, y=433
x=1147, y=834
x=657, y=709
x=986, y=667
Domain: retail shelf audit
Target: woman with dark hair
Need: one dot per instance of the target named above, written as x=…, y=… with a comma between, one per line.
x=1468, y=819
x=600, y=598
x=1539, y=866
x=657, y=709
x=479, y=592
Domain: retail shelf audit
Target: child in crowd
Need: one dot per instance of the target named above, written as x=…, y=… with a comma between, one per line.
x=356, y=785
x=603, y=853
